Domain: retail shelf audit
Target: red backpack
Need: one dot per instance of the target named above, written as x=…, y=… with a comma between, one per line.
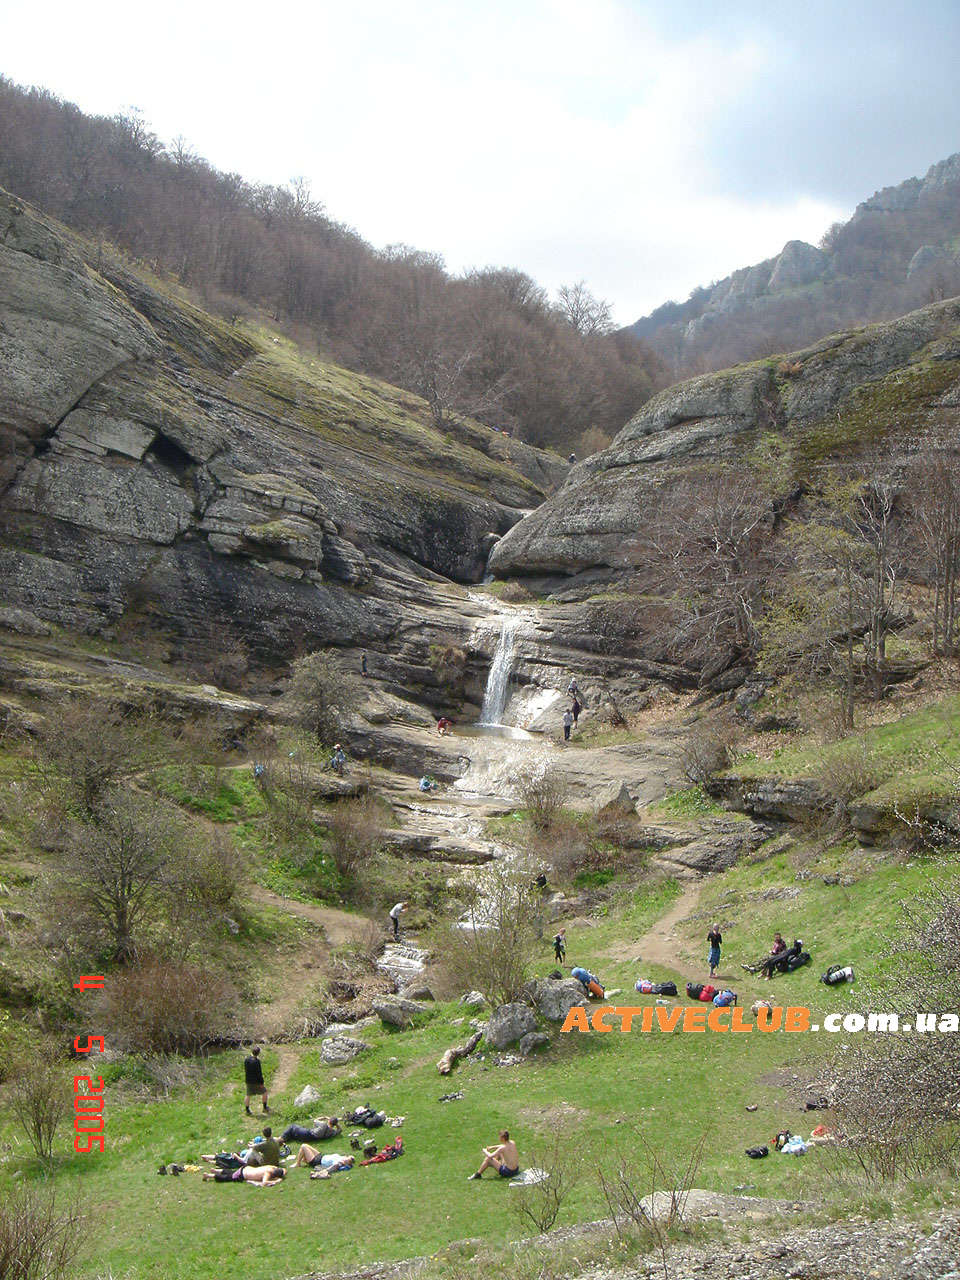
x=707, y=993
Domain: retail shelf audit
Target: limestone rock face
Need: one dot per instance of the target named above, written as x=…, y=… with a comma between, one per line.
x=161, y=461
x=799, y=264
x=589, y=523
x=510, y=1023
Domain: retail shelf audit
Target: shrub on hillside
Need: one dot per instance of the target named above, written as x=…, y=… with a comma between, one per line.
x=490, y=951
x=707, y=750
x=896, y=1098
x=38, y=1239
x=164, y=1007
x=850, y=772
x=355, y=836
x=542, y=789
x=322, y=695
x=40, y=1097
x=538, y=1204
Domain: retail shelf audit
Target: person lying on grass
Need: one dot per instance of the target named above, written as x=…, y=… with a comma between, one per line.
x=324, y=1127
x=264, y=1175
x=505, y=1158
x=323, y=1165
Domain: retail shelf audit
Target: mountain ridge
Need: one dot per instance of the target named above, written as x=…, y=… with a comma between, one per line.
x=899, y=249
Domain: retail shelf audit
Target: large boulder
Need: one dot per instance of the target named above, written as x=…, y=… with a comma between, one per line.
x=616, y=800
x=395, y=1011
x=307, y=1097
x=338, y=1050
x=510, y=1023
x=555, y=998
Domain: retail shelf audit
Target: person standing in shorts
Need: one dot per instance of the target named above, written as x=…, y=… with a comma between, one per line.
x=253, y=1079
x=714, y=938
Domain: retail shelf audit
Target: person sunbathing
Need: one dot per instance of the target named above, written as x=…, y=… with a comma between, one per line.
x=264, y=1175
x=504, y=1158
x=322, y=1164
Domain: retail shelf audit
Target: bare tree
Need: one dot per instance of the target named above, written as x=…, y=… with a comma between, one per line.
x=114, y=875
x=583, y=311
x=86, y=747
x=935, y=486
x=490, y=950
x=560, y=1158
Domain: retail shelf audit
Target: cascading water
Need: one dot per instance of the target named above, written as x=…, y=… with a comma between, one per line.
x=497, y=692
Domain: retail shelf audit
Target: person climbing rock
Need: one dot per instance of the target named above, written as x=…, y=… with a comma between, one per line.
x=567, y=724
x=576, y=709
x=338, y=760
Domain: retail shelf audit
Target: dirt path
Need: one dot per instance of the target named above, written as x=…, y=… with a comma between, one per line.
x=661, y=944
x=339, y=926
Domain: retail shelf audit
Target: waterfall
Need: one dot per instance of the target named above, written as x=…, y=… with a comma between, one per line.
x=498, y=681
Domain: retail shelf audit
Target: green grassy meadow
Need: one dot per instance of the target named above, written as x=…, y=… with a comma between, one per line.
x=675, y=1088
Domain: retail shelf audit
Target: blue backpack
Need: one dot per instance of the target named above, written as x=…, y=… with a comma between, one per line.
x=724, y=998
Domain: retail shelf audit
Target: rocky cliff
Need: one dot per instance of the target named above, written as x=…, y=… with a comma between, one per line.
x=898, y=250
x=889, y=381
x=211, y=479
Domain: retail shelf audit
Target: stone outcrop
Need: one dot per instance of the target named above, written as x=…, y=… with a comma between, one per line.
x=902, y=374
x=336, y=1051
x=396, y=1011
x=510, y=1023
x=164, y=466
x=555, y=998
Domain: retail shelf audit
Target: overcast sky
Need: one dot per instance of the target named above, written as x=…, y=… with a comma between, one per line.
x=646, y=146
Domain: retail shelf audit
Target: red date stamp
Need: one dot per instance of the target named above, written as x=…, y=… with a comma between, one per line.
x=88, y=1090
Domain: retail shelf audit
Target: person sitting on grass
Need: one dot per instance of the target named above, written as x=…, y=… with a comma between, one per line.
x=505, y=1158
x=264, y=1175
x=323, y=1165
x=772, y=960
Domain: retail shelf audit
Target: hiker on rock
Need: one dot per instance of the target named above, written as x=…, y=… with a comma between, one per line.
x=572, y=690
x=504, y=1158
x=338, y=760
x=576, y=709
x=363, y=663
x=714, y=939
x=253, y=1079
x=395, y=913
x=567, y=724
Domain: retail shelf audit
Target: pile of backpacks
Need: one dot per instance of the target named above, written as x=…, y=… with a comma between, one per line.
x=708, y=994
x=648, y=988
x=366, y=1116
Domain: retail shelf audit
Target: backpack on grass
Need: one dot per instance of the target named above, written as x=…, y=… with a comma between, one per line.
x=664, y=988
x=707, y=993
x=694, y=989
x=838, y=973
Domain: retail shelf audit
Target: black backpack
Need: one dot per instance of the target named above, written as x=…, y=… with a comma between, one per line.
x=694, y=989
x=664, y=988
x=757, y=1153
x=798, y=961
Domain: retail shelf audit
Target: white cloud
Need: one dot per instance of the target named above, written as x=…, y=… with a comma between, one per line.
x=570, y=140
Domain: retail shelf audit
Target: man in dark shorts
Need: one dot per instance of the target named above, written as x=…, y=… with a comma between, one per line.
x=253, y=1078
